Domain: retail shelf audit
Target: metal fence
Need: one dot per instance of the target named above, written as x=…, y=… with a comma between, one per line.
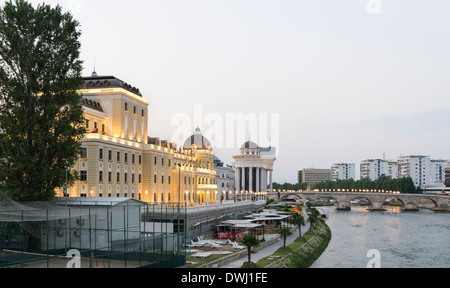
x=111, y=233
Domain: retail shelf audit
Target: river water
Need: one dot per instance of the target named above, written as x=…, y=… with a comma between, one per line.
x=403, y=239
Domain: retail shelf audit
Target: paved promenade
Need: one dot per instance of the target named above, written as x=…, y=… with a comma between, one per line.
x=266, y=251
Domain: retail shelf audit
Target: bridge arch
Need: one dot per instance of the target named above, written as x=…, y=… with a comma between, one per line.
x=293, y=196
x=362, y=198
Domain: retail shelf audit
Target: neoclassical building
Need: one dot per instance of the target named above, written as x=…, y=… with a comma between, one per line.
x=225, y=180
x=254, y=168
x=119, y=159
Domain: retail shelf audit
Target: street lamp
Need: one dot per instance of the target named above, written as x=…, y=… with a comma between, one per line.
x=178, y=209
x=65, y=193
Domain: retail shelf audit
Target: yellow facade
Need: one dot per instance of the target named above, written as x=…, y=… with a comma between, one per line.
x=119, y=159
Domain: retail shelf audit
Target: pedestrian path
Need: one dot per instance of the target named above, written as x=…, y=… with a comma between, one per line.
x=267, y=251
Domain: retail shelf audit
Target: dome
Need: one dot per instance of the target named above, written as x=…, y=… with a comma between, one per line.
x=250, y=145
x=200, y=142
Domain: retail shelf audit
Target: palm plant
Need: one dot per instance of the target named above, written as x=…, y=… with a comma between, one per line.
x=284, y=233
x=299, y=220
x=249, y=240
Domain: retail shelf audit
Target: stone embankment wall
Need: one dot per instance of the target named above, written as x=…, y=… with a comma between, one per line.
x=308, y=253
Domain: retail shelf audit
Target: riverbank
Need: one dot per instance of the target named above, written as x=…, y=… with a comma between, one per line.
x=298, y=253
x=303, y=252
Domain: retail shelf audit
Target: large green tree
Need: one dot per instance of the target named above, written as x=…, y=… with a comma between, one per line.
x=41, y=118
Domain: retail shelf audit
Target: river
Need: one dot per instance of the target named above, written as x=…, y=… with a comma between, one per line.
x=403, y=239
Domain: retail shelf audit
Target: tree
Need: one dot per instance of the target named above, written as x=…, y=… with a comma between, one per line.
x=249, y=240
x=285, y=232
x=299, y=220
x=41, y=118
x=313, y=216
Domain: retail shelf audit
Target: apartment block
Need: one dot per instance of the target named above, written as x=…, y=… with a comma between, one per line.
x=343, y=171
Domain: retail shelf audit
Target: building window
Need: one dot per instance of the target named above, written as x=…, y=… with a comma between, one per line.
x=135, y=110
x=154, y=179
x=118, y=156
x=162, y=179
x=140, y=178
x=140, y=159
x=83, y=153
x=156, y=161
x=126, y=157
x=169, y=179
x=132, y=158
x=109, y=155
x=132, y=178
x=143, y=113
x=109, y=177
x=87, y=124
x=83, y=176
x=101, y=154
x=103, y=128
x=169, y=163
x=100, y=176
x=118, y=177
x=126, y=106
x=126, y=177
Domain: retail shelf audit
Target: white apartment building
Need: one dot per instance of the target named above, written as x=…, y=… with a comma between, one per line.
x=417, y=167
x=343, y=171
x=393, y=169
x=373, y=168
x=437, y=171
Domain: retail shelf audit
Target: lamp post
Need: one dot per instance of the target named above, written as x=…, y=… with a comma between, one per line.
x=178, y=209
x=65, y=188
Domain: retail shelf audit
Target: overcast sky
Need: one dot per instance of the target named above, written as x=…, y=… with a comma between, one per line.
x=347, y=84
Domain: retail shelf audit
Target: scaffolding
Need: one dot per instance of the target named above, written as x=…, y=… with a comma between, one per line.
x=91, y=233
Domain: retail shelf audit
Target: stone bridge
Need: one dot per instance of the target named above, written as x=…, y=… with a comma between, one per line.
x=376, y=200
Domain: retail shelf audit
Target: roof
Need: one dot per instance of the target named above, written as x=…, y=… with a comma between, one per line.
x=91, y=104
x=198, y=141
x=108, y=82
x=245, y=224
x=250, y=145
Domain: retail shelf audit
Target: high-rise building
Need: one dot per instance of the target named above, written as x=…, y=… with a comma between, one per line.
x=374, y=168
x=447, y=174
x=343, y=171
x=417, y=167
x=313, y=176
x=437, y=172
x=393, y=169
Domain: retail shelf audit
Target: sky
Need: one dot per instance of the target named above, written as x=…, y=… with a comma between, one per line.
x=345, y=80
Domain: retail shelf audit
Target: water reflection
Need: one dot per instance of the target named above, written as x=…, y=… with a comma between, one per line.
x=405, y=239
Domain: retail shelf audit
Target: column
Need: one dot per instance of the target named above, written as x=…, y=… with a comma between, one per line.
x=243, y=179
x=258, y=180
x=238, y=178
x=250, y=188
x=271, y=181
x=263, y=188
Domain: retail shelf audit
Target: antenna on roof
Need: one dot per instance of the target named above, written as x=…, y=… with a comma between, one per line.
x=94, y=74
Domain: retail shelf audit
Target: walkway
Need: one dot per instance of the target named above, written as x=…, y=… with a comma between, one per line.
x=266, y=251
